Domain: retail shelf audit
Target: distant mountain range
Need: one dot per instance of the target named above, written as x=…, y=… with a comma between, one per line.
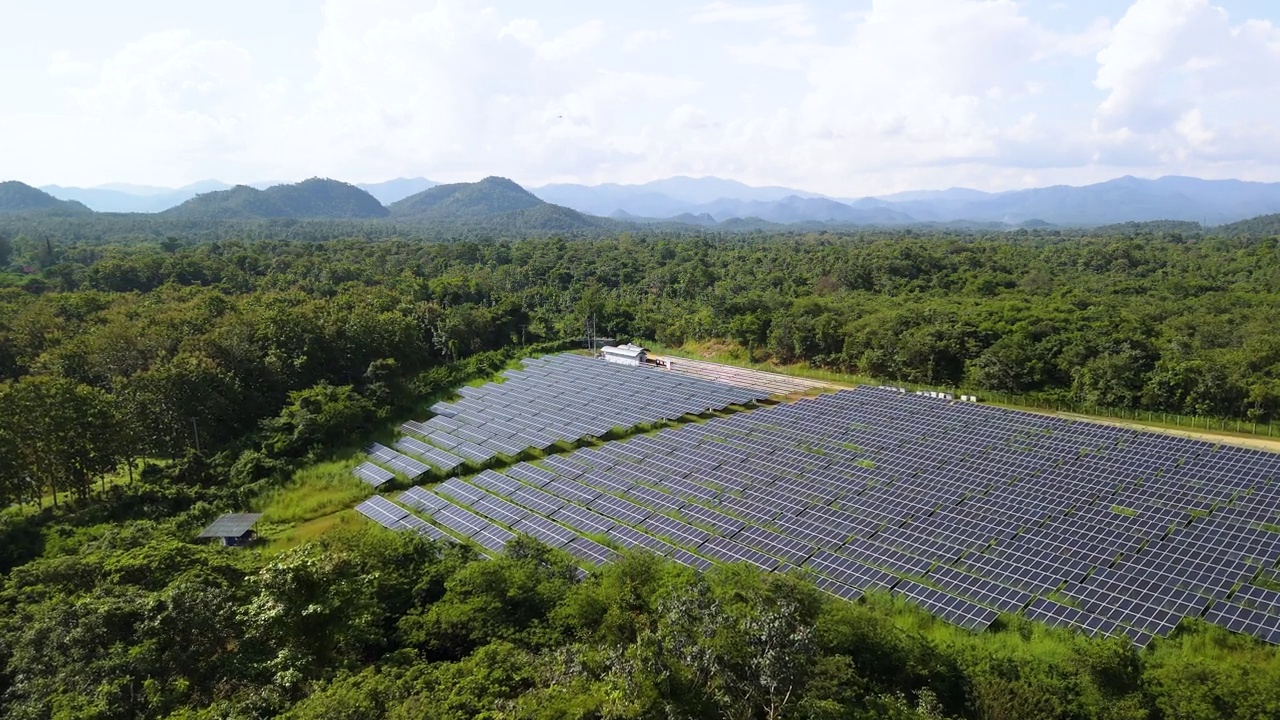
x=309, y=199
x=1126, y=199
x=706, y=202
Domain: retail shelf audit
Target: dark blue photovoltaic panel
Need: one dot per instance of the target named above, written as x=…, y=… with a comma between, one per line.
x=382, y=511
x=493, y=538
x=627, y=538
x=570, y=490
x=583, y=520
x=413, y=523
x=531, y=474
x=590, y=551
x=497, y=483
x=500, y=511
x=623, y=511
x=373, y=474
x=954, y=610
x=793, y=551
x=995, y=509
x=729, y=551
x=462, y=521
x=422, y=500
x=850, y=572
x=838, y=589
x=460, y=491
x=717, y=521
x=537, y=500
x=540, y=528
x=675, y=531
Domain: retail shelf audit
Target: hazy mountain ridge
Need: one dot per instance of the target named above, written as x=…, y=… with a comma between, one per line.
x=17, y=197
x=708, y=201
x=122, y=197
x=310, y=199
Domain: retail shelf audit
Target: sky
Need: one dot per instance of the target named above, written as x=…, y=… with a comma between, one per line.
x=852, y=98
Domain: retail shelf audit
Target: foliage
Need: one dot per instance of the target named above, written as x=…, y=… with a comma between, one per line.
x=154, y=374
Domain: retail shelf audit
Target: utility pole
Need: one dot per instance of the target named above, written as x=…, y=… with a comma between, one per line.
x=195, y=426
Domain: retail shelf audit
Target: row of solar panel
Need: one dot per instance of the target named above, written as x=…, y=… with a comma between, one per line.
x=1157, y=522
x=650, y=447
x=482, y=426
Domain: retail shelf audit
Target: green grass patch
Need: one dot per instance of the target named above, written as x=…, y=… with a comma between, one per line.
x=1124, y=510
x=314, y=492
x=290, y=536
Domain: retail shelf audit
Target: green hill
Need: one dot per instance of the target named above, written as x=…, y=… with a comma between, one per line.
x=316, y=198
x=463, y=202
x=1261, y=226
x=239, y=203
x=16, y=197
x=494, y=203
x=325, y=198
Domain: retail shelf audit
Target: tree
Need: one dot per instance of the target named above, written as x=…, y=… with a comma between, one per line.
x=318, y=417
x=66, y=434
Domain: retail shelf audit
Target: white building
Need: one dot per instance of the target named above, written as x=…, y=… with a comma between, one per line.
x=628, y=354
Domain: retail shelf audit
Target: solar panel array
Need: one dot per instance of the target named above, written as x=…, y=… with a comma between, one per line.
x=966, y=510
x=394, y=517
x=558, y=398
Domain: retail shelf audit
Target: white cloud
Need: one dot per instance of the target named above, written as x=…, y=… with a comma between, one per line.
x=901, y=94
x=639, y=38
x=791, y=19
x=1190, y=85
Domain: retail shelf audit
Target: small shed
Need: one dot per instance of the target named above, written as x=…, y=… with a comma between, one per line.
x=628, y=354
x=234, y=530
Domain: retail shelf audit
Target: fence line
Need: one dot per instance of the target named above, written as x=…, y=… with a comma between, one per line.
x=1234, y=425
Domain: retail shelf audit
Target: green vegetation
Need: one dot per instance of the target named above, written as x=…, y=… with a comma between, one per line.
x=314, y=198
x=155, y=372
x=16, y=197
x=363, y=623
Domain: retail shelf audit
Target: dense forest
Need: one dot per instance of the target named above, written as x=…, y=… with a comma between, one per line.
x=148, y=384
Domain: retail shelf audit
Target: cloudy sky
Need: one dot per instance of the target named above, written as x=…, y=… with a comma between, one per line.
x=849, y=98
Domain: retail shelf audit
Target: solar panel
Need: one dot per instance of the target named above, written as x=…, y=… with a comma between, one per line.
x=863, y=486
x=493, y=538
x=373, y=474
x=499, y=510
x=950, y=608
x=422, y=500
x=382, y=511
x=583, y=520
x=621, y=510
x=232, y=526
x=460, y=520
x=415, y=524
x=540, y=528
x=496, y=483
x=590, y=551
x=725, y=550
x=387, y=457
x=675, y=531
x=630, y=538
x=460, y=491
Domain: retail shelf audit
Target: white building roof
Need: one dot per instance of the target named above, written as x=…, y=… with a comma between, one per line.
x=627, y=350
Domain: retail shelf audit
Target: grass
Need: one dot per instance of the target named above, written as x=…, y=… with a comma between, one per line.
x=291, y=536
x=315, y=492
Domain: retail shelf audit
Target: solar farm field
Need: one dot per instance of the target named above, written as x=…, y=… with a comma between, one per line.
x=965, y=510
x=553, y=399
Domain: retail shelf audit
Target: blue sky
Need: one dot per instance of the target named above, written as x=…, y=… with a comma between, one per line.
x=846, y=98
